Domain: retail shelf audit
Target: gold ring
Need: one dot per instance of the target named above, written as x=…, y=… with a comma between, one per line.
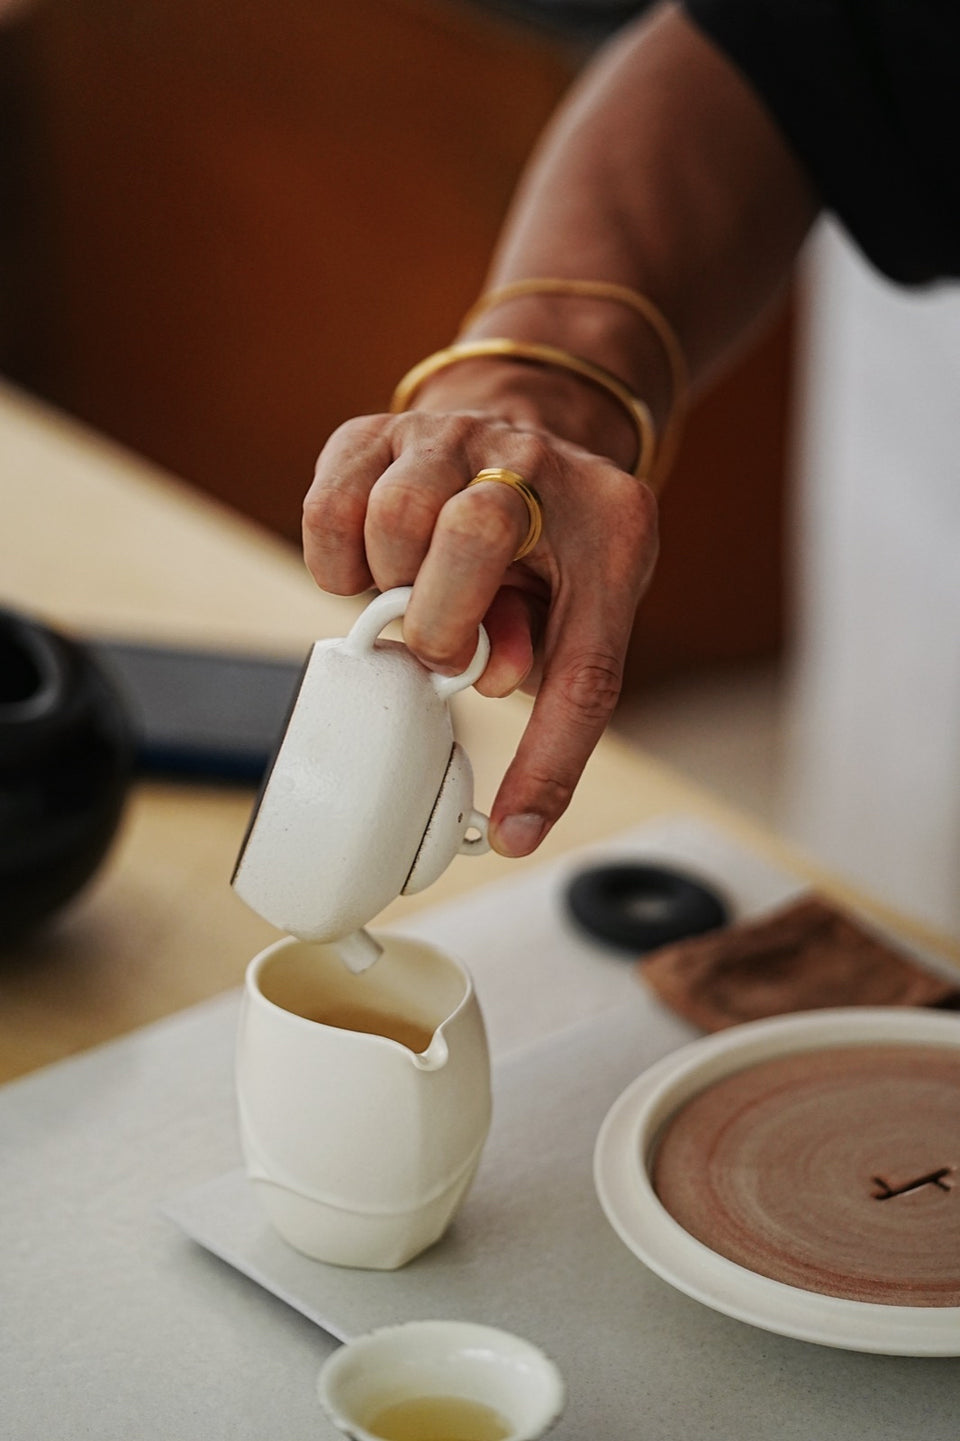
x=530, y=499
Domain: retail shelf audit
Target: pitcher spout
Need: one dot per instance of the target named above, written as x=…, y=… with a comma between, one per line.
x=435, y=1057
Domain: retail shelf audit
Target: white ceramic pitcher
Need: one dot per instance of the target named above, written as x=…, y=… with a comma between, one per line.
x=369, y=796
x=360, y=1147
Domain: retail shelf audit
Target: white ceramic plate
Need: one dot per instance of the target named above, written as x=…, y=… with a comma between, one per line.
x=626, y=1194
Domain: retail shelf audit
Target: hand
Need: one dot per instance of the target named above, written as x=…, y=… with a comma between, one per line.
x=388, y=507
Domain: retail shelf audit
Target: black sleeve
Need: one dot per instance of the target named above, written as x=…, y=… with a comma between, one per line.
x=867, y=93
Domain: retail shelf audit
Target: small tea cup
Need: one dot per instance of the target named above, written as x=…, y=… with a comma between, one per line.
x=439, y=1379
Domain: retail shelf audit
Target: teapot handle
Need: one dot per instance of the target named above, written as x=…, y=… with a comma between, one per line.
x=391, y=605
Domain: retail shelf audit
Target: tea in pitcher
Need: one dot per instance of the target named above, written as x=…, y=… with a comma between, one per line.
x=349, y=1016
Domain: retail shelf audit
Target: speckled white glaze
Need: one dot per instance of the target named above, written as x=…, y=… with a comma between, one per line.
x=359, y=1149
x=369, y=796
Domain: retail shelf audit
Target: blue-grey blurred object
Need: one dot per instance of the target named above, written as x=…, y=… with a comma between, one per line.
x=65, y=764
x=199, y=714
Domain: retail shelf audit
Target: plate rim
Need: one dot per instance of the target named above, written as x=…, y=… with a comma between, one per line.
x=646, y=1228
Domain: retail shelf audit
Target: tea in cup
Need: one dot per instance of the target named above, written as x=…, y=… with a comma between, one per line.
x=364, y=1098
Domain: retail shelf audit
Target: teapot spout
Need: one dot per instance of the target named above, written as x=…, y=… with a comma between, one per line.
x=358, y=950
x=434, y=1058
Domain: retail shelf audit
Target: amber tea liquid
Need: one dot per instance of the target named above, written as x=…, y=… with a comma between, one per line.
x=348, y=1016
x=439, y=1418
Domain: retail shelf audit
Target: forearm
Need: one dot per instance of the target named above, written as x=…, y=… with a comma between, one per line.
x=664, y=173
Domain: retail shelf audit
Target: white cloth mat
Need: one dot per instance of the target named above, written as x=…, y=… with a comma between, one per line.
x=531, y=1251
x=113, y=1324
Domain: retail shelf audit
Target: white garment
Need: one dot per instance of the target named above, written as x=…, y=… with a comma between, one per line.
x=874, y=774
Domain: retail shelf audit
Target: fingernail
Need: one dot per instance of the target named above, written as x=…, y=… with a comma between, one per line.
x=519, y=835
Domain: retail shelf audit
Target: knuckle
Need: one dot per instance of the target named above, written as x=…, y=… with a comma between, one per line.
x=590, y=687
x=402, y=510
x=636, y=503
x=535, y=455
x=359, y=428
x=482, y=524
x=645, y=516
x=333, y=518
x=634, y=543
x=553, y=795
x=434, y=434
x=645, y=511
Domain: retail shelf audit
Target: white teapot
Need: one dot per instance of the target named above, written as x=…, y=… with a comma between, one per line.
x=369, y=796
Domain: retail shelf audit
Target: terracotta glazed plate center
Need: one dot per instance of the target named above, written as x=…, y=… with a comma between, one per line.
x=802, y=1174
x=836, y=1171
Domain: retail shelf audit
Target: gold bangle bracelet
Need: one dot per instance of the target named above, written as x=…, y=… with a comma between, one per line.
x=623, y=295
x=534, y=354
x=595, y=290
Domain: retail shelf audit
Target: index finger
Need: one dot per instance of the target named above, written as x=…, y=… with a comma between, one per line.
x=577, y=696
x=335, y=506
